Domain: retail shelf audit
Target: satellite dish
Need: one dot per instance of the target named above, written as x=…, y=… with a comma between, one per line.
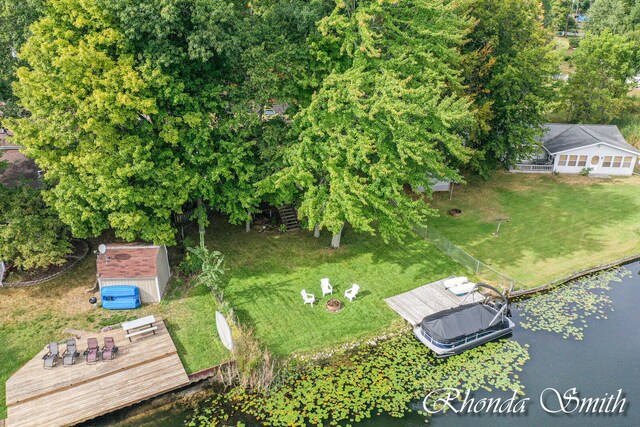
x=224, y=331
x=102, y=248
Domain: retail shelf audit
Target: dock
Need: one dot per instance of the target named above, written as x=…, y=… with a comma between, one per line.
x=63, y=396
x=431, y=298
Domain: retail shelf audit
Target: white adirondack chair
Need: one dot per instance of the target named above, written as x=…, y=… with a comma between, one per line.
x=308, y=298
x=352, y=292
x=326, y=286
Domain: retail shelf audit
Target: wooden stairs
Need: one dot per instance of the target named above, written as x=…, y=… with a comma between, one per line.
x=289, y=217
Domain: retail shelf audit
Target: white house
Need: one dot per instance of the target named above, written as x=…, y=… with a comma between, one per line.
x=571, y=148
x=141, y=265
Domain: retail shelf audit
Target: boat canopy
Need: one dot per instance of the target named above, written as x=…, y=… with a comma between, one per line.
x=457, y=323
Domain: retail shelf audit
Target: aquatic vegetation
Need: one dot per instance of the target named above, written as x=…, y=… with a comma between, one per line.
x=565, y=309
x=371, y=380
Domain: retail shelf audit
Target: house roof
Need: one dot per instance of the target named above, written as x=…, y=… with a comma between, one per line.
x=128, y=261
x=566, y=137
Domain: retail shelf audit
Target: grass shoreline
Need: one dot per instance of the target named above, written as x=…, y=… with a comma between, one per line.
x=268, y=270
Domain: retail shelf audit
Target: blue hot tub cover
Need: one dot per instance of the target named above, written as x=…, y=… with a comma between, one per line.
x=120, y=297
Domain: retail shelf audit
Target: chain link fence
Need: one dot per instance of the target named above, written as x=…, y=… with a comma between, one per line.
x=488, y=274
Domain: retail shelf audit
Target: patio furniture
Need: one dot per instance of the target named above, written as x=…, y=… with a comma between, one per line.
x=144, y=325
x=92, y=352
x=109, y=350
x=70, y=353
x=308, y=298
x=352, y=292
x=326, y=286
x=51, y=358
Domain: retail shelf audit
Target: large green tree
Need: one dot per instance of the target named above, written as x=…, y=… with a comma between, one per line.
x=31, y=234
x=617, y=16
x=598, y=90
x=509, y=68
x=15, y=19
x=387, y=114
x=138, y=107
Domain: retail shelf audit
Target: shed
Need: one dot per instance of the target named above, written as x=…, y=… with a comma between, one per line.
x=135, y=264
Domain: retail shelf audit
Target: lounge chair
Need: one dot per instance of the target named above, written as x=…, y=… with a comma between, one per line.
x=70, y=353
x=51, y=358
x=326, y=286
x=92, y=352
x=109, y=350
x=308, y=298
x=352, y=292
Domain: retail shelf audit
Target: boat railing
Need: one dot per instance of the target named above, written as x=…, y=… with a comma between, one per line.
x=460, y=341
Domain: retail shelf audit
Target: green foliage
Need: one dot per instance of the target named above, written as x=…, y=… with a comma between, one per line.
x=31, y=235
x=387, y=114
x=617, y=16
x=585, y=171
x=565, y=310
x=509, y=64
x=15, y=18
x=212, y=268
x=597, y=91
x=190, y=265
x=574, y=42
x=374, y=379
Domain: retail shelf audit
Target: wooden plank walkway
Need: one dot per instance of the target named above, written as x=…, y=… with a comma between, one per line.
x=144, y=368
x=431, y=298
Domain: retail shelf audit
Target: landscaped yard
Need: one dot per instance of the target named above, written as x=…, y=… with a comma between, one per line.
x=266, y=272
x=31, y=317
x=559, y=224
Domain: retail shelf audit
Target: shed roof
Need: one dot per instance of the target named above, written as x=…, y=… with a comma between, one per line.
x=565, y=137
x=128, y=261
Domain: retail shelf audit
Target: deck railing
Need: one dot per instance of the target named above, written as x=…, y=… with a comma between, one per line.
x=531, y=168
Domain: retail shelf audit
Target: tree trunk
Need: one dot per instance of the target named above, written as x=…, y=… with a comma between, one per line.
x=316, y=231
x=335, y=240
x=201, y=220
x=247, y=225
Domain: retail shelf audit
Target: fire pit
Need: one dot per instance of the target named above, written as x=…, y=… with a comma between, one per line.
x=455, y=212
x=333, y=305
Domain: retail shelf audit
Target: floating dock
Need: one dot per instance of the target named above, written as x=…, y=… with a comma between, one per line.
x=431, y=298
x=63, y=396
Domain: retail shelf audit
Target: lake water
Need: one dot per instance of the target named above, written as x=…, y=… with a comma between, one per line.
x=607, y=359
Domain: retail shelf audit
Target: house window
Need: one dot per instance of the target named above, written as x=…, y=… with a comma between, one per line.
x=573, y=159
x=595, y=160
x=626, y=162
x=582, y=161
x=562, y=161
x=617, y=161
x=607, y=162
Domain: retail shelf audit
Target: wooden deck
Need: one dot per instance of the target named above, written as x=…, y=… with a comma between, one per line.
x=418, y=303
x=62, y=396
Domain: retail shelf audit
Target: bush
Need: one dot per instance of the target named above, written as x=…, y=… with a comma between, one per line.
x=574, y=42
x=31, y=235
x=190, y=265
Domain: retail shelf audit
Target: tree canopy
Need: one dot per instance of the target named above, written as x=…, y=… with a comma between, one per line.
x=388, y=113
x=597, y=91
x=509, y=67
x=139, y=108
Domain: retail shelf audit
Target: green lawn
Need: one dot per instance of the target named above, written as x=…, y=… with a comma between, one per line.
x=31, y=317
x=268, y=271
x=559, y=224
